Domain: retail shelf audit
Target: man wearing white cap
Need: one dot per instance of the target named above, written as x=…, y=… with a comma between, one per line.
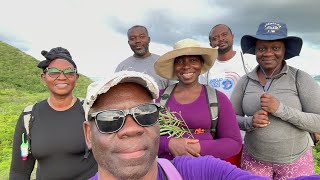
x=122, y=130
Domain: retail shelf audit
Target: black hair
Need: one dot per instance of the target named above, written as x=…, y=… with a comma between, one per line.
x=138, y=26
x=217, y=26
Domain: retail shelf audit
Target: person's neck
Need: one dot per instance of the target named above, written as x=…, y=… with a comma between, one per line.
x=61, y=103
x=188, y=87
x=142, y=57
x=226, y=56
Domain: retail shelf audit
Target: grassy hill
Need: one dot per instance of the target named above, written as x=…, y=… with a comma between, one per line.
x=20, y=85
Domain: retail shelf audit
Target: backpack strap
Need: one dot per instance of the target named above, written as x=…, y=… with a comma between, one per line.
x=313, y=136
x=81, y=100
x=86, y=150
x=166, y=95
x=212, y=100
x=213, y=106
x=27, y=118
x=170, y=171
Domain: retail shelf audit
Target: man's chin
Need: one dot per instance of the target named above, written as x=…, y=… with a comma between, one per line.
x=140, y=53
x=132, y=169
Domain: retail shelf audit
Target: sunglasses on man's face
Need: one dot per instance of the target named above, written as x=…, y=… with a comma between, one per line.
x=112, y=120
x=55, y=73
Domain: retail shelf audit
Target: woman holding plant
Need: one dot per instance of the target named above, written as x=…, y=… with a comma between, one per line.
x=185, y=63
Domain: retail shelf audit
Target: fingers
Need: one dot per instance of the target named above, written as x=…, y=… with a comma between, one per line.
x=194, y=149
x=191, y=141
x=260, y=119
x=261, y=124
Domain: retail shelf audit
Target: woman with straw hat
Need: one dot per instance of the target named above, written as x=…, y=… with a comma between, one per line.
x=185, y=63
x=277, y=105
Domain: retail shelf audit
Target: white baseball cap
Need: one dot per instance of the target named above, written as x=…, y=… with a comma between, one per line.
x=100, y=87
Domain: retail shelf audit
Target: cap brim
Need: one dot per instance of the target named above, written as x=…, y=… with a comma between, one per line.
x=293, y=44
x=164, y=66
x=102, y=86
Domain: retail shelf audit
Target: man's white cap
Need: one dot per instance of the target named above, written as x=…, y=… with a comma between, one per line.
x=102, y=86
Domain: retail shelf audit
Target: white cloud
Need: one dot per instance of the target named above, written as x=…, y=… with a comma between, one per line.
x=97, y=46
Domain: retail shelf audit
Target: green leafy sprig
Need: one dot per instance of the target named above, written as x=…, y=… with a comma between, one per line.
x=172, y=125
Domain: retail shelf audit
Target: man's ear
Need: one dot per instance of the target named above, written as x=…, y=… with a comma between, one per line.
x=211, y=44
x=87, y=133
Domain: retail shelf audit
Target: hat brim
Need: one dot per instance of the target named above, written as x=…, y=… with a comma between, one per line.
x=164, y=66
x=293, y=44
x=100, y=87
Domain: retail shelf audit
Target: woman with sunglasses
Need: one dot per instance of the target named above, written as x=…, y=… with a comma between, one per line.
x=185, y=63
x=56, y=139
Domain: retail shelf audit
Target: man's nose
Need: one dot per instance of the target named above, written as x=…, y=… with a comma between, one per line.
x=130, y=128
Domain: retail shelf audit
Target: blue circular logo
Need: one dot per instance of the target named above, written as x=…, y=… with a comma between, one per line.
x=227, y=84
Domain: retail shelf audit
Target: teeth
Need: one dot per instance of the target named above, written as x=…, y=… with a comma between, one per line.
x=187, y=75
x=61, y=85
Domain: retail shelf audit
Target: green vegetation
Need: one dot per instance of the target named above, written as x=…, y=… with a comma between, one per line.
x=20, y=86
x=172, y=125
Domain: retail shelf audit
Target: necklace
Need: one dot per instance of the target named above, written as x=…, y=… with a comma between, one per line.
x=268, y=79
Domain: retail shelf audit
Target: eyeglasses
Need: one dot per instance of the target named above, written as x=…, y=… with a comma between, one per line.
x=55, y=73
x=112, y=120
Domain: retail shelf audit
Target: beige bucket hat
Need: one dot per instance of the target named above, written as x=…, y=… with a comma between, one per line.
x=164, y=66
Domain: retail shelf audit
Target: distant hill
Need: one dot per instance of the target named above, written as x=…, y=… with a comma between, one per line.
x=20, y=85
x=19, y=70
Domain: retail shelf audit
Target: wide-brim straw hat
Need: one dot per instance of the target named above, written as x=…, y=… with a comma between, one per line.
x=272, y=31
x=164, y=66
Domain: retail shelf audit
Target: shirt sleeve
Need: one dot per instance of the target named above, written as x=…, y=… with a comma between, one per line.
x=20, y=169
x=208, y=167
x=244, y=122
x=309, y=94
x=228, y=140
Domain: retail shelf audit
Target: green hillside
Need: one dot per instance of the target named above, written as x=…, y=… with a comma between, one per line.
x=20, y=85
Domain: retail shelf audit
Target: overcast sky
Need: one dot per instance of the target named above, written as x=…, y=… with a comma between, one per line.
x=95, y=31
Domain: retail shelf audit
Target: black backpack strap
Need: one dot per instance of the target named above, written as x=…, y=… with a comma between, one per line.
x=86, y=150
x=166, y=95
x=28, y=118
x=213, y=106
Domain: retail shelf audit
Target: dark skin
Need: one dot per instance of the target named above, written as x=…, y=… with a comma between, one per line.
x=187, y=69
x=129, y=153
x=138, y=40
x=60, y=88
x=269, y=55
x=221, y=37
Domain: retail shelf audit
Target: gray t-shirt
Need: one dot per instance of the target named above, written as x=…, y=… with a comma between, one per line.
x=286, y=138
x=145, y=65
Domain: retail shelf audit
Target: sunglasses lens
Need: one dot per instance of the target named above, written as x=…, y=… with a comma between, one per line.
x=53, y=72
x=110, y=121
x=69, y=73
x=147, y=114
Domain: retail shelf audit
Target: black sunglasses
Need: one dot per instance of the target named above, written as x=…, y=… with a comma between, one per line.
x=112, y=120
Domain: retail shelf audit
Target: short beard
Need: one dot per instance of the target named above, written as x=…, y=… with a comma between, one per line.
x=142, y=52
x=225, y=50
